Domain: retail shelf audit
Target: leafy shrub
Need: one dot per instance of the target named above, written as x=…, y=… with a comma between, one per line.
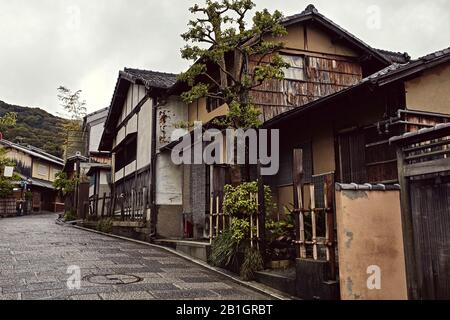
x=253, y=263
x=70, y=216
x=105, y=225
x=240, y=201
x=224, y=249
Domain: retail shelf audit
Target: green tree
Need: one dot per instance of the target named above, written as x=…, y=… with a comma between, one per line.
x=65, y=187
x=8, y=120
x=6, y=183
x=75, y=108
x=220, y=39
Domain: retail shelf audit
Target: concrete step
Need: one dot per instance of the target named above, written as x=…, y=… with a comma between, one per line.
x=196, y=249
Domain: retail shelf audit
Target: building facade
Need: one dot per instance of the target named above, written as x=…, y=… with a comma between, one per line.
x=38, y=171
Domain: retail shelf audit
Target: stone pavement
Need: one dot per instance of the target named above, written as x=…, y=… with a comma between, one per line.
x=35, y=254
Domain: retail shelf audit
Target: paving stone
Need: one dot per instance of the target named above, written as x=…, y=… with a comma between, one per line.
x=184, y=294
x=200, y=285
x=35, y=254
x=86, y=297
x=138, y=295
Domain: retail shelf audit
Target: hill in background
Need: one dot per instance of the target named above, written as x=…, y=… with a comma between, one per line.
x=35, y=127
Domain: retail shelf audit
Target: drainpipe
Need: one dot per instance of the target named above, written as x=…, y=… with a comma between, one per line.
x=153, y=157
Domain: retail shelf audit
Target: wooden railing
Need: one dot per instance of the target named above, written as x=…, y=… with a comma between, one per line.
x=130, y=206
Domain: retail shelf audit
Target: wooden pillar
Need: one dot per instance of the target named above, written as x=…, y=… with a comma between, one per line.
x=298, y=174
x=408, y=228
x=261, y=215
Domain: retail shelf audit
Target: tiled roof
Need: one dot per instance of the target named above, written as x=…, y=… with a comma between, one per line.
x=395, y=57
x=34, y=152
x=151, y=78
x=396, y=68
x=410, y=135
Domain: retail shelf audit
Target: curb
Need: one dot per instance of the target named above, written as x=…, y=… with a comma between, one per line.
x=260, y=288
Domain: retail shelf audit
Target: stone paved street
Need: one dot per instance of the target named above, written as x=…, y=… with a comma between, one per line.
x=35, y=254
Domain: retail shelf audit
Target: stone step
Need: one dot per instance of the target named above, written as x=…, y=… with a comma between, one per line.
x=280, y=282
x=196, y=249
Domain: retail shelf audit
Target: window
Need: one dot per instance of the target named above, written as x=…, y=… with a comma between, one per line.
x=42, y=170
x=213, y=104
x=296, y=71
x=126, y=154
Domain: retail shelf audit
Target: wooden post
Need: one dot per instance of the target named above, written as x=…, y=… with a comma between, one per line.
x=122, y=208
x=329, y=214
x=298, y=202
x=103, y=205
x=251, y=229
x=408, y=228
x=314, y=221
x=211, y=225
x=217, y=216
x=261, y=214
x=258, y=235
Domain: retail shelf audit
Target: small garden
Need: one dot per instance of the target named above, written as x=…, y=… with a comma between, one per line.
x=234, y=248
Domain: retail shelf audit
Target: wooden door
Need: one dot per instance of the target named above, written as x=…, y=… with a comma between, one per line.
x=430, y=206
x=352, y=157
x=36, y=201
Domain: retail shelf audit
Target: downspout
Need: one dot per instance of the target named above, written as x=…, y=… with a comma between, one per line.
x=153, y=157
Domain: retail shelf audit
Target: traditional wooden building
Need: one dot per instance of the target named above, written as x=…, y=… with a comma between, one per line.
x=146, y=186
x=325, y=59
x=38, y=171
x=347, y=136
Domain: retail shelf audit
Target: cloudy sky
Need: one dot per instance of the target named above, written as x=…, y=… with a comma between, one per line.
x=83, y=44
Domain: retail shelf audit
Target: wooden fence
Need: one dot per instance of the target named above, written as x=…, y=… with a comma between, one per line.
x=130, y=206
x=219, y=221
x=309, y=241
x=8, y=207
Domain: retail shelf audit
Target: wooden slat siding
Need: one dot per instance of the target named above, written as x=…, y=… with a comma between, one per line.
x=136, y=192
x=323, y=76
x=431, y=215
x=352, y=157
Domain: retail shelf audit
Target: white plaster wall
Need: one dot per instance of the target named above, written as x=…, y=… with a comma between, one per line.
x=103, y=177
x=95, y=136
x=169, y=116
x=119, y=175
x=169, y=181
x=132, y=125
x=144, y=135
x=129, y=169
x=120, y=135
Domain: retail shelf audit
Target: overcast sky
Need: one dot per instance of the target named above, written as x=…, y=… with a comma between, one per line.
x=83, y=44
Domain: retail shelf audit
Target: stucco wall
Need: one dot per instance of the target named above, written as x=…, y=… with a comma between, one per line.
x=430, y=91
x=95, y=136
x=170, y=221
x=144, y=138
x=369, y=231
x=170, y=116
x=169, y=181
x=316, y=40
x=198, y=111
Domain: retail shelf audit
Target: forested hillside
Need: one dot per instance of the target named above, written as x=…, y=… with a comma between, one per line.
x=35, y=127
